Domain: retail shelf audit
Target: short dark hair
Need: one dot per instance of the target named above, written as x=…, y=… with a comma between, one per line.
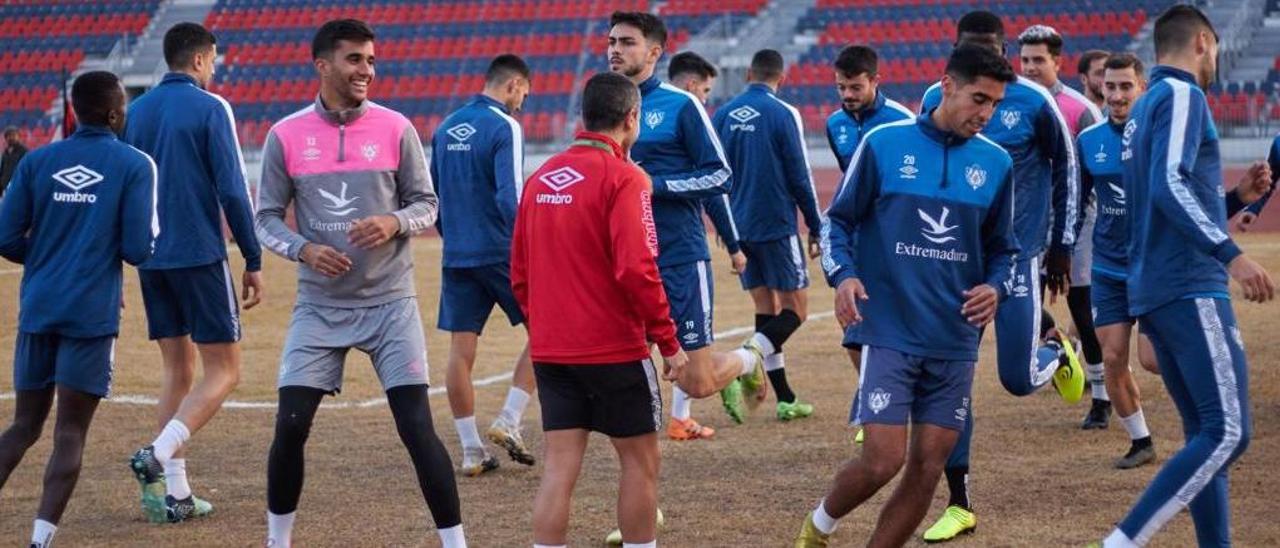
x=767, y=65
x=857, y=59
x=94, y=94
x=606, y=100
x=327, y=37
x=980, y=22
x=1123, y=60
x=184, y=41
x=1087, y=58
x=1177, y=26
x=11, y=130
x=688, y=62
x=1042, y=34
x=653, y=29
x=968, y=62
x=505, y=67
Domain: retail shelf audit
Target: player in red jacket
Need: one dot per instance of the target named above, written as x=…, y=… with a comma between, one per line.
x=584, y=273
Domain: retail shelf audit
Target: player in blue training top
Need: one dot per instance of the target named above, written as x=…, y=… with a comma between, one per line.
x=1250, y=214
x=1046, y=208
x=187, y=288
x=931, y=201
x=1173, y=181
x=477, y=162
x=690, y=72
x=763, y=137
x=78, y=206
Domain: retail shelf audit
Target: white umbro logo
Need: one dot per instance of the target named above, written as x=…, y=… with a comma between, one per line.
x=462, y=131
x=560, y=179
x=744, y=113
x=78, y=178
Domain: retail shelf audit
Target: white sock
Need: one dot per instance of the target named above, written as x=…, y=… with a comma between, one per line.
x=452, y=537
x=513, y=409
x=1094, y=373
x=172, y=438
x=766, y=347
x=42, y=534
x=748, y=360
x=650, y=544
x=774, y=362
x=1117, y=539
x=681, y=404
x=1136, y=425
x=822, y=520
x=467, y=432
x=175, y=479
x=280, y=529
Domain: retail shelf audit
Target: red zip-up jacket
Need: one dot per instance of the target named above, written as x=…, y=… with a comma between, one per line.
x=583, y=259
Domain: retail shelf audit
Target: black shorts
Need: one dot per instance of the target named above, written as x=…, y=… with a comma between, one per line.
x=618, y=400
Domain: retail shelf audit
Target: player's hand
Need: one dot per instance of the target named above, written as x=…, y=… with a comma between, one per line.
x=1057, y=266
x=325, y=260
x=980, y=305
x=673, y=366
x=1253, y=279
x=815, y=245
x=253, y=289
x=1245, y=220
x=1255, y=182
x=738, y=262
x=371, y=232
x=847, y=296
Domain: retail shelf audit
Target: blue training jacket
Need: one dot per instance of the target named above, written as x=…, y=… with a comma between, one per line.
x=1028, y=124
x=679, y=150
x=1101, y=172
x=933, y=214
x=72, y=212
x=1179, y=246
x=191, y=134
x=845, y=129
x=477, y=163
x=1273, y=160
x=764, y=140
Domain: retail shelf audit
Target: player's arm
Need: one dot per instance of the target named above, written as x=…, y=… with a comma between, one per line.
x=795, y=162
x=139, y=225
x=508, y=169
x=231, y=184
x=433, y=171
x=721, y=214
x=853, y=201
x=634, y=244
x=1273, y=161
x=15, y=215
x=275, y=193
x=1086, y=178
x=711, y=174
x=1172, y=176
x=835, y=151
x=999, y=246
x=419, y=204
x=1055, y=144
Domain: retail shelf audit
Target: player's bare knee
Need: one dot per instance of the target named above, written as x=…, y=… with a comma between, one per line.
x=882, y=467
x=1149, y=363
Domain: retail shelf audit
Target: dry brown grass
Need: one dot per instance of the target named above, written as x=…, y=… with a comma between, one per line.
x=1038, y=479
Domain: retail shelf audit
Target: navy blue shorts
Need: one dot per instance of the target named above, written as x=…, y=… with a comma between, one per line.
x=199, y=301
x=1110, y=301
x=778, y=265
x=467, y=296
x=894, y=387
x=43, y=360
x=689, y=288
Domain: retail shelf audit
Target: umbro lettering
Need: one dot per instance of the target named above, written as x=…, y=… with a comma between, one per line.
x=74, y=197
x=554, y=199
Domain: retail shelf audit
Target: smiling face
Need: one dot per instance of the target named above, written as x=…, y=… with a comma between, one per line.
x=967, y=107
x=1121, y=88
x=346, y=73
x=1039, y=65
x=630, y=53
x=856, y=92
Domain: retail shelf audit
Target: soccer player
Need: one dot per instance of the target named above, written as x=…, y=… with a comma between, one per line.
x=1091, y=70
x=763, y=137
x=690, y=72
x=79, y=206
x=583, y=270
x=922, y=223
x=1173, y=179
x=187, y=287
x=355, y=173
x=862, y=108
x=478, y=158
x=1046, y=187
x=679, y=150
x=13, y=152
x=1041, y=56
x=1101, y=171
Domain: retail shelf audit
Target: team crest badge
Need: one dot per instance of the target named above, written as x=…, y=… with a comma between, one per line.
x=369, y=151
x=878, y=400
x=1010, y=118
x=654, y=118
x=975, y=176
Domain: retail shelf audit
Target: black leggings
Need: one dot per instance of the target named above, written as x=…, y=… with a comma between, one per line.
x=1078, y=302
x=412, y=412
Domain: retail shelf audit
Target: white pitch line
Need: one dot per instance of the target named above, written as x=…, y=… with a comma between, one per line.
x=134, y=399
